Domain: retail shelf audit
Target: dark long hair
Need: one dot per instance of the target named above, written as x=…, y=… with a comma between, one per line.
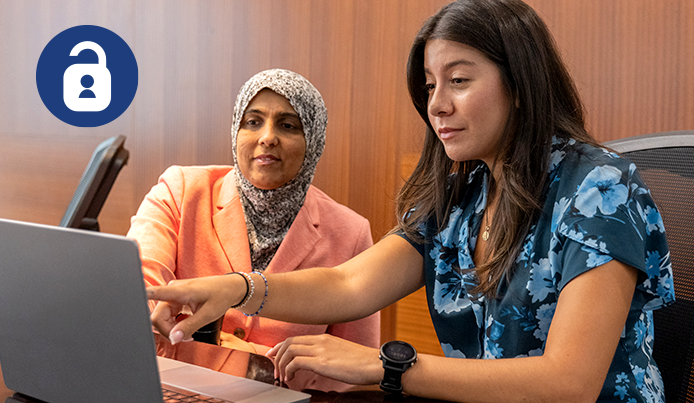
x=512, y=36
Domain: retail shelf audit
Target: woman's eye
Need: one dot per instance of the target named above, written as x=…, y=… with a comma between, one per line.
x=459, y=80
x=429, y=87
x=290, y=125
x=251, y=122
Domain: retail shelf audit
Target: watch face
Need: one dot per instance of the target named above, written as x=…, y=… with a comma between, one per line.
x=399, y=351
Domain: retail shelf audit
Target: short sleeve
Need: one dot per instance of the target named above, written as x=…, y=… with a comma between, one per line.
x=611, y=215
x=417, y=245
x=578, y=258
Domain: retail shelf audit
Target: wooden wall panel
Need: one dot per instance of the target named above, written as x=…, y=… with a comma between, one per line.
x=632, y=61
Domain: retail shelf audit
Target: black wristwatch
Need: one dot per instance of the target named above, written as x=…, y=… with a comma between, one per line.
x=397, y=357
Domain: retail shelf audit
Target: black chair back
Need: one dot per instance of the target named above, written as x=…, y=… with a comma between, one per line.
x=666, y=163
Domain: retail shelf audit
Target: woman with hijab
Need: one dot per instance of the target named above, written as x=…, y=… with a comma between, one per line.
x=261, y=216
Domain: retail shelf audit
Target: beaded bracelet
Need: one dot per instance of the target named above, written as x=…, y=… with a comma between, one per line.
x=264, y=298
x=250, y=288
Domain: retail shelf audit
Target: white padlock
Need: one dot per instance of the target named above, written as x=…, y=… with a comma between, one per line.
x=82, y=94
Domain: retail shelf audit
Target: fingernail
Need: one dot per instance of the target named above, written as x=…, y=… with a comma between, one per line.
x=176, y=337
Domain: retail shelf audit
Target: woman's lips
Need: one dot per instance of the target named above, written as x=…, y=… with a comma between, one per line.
x=446, y=133
x=266, y=159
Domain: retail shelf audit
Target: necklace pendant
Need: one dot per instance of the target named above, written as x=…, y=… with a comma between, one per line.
x=485, y=234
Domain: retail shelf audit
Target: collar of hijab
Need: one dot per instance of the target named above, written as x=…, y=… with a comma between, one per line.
x=270, y=213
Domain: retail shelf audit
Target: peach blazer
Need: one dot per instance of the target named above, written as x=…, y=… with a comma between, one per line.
x=191, y=224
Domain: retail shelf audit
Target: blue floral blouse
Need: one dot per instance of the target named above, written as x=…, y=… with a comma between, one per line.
x=597, y=209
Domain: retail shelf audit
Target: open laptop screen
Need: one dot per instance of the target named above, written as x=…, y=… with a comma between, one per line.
x=76, y=328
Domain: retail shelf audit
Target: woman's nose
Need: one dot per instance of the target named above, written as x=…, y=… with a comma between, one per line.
x=268, y=135
x=439, y=104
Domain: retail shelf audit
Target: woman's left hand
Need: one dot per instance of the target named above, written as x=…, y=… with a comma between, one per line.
x=328, y=356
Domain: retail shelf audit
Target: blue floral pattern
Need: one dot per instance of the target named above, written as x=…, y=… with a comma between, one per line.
x=597, y=209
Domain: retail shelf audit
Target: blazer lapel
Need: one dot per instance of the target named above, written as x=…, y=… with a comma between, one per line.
x=230, y=225
x=301, y=238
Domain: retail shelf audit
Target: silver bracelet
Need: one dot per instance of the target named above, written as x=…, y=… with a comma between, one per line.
x=262, y=304
x=249, y=295
x=248, y=290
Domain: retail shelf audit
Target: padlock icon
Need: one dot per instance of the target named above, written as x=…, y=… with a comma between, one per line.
x=87, y=87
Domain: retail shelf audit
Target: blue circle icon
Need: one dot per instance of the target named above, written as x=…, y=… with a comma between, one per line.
x=87, y=76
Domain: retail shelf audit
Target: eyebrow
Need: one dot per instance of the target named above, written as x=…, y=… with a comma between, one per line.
x=454, y=63
x=281, y=114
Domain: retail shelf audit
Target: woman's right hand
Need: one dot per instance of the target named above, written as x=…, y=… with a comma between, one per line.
x=204, y=299
x=328, y=356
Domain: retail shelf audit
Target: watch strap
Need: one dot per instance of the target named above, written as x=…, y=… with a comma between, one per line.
x=391, y=382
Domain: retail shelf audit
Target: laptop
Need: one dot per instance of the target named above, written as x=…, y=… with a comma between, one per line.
x=75, y=327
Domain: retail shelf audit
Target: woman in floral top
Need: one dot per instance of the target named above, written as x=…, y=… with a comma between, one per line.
x=596, y=209
x=543, y=254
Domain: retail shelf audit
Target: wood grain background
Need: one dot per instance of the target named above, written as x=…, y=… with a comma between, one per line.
x=632, y=60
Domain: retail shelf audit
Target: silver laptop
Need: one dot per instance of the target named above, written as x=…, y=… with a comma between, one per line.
x=75, y=327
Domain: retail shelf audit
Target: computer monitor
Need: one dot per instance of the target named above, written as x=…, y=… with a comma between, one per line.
x=97, y=180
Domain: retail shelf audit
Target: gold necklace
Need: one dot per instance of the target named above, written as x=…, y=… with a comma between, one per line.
x=485, y=234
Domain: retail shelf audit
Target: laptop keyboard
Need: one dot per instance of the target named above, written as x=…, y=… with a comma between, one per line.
x=179, y=395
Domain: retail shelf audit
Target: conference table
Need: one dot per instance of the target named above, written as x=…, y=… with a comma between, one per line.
x=248, y=365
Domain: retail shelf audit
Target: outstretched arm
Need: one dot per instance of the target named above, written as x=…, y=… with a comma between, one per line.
x=590, y=315
x=370, y=281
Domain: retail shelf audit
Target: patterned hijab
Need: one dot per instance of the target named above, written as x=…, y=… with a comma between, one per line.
x=270, y=213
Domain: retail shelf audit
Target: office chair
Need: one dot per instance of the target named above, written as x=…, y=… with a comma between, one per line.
x=666, y=163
